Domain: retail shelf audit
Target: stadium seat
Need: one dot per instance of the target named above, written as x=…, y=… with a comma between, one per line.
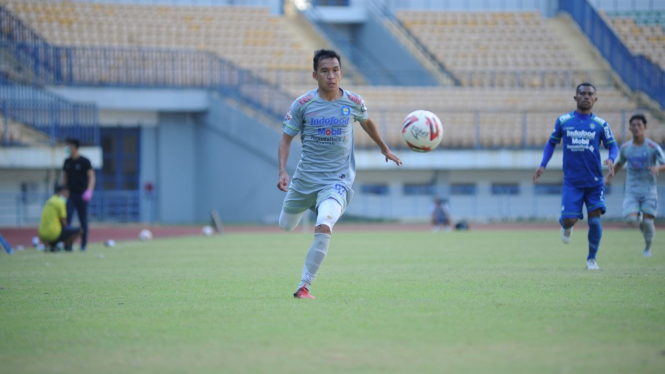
x=218, y=29
x=472, y=44
x=641, y=31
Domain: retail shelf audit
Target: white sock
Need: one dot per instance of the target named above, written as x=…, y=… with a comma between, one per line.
x=649, y=231
x=315, y=256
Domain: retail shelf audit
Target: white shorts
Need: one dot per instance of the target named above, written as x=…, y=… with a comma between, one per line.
x=296, y=202
x=635, y=204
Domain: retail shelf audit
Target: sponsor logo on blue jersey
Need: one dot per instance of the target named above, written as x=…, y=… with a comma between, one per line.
x=330, y=132
x=580, y=134
x=330, y=121
x=346, y=110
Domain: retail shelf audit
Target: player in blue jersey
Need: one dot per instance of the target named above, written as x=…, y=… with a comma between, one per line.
x=581, y=132
x=323, y=179
x=644, y=160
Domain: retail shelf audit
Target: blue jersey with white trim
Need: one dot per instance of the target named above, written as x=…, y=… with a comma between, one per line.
x=581, y=135
x=326, y=130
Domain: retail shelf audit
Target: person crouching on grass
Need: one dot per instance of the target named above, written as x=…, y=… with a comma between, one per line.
x=53, y=224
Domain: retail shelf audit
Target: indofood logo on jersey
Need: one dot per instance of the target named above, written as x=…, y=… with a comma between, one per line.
x=330, y=121
x=580, y=137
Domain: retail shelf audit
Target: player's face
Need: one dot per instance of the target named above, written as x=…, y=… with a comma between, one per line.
x=328, y=74
x=585, y=97
x=637, y=128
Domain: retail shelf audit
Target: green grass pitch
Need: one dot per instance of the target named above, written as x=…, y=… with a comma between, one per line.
x=463, y=302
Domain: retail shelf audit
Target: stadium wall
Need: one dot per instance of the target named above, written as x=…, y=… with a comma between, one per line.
x=497, y=194
x=176, y=168
x=238, y=165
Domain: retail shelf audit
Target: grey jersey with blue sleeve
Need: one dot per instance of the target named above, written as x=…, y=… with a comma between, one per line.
x=326, y=130
x=638, y=160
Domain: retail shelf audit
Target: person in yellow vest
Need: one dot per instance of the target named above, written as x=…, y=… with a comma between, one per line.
x=53, y=225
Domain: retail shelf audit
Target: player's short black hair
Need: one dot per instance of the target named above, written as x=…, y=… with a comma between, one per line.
x=73, y=141
x=639, y=116
x=585, y=84
x=322, y=54
x=58, y=188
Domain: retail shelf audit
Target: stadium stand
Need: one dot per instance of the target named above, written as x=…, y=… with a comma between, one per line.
x=473, y=44
x=248, y=36
x=504, y=60
x=641, y=31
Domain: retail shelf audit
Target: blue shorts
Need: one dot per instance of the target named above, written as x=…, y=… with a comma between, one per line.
x=572, y=199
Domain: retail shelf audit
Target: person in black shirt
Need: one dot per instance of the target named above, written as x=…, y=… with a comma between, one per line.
x=79, y=177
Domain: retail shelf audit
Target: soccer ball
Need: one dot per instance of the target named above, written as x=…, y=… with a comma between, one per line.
x=145, y=235
x=207, y=230
x=422, y=131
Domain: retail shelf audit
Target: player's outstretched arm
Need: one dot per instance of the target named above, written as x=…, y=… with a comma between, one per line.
x=614, y=152
x=538, y=173
x=283, y=156
x=610, y=165
x=370, y=128
x=609, y=176
x=547, y=155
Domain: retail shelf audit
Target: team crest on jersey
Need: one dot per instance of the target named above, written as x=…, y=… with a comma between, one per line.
x=592, y=126
x=346, y=110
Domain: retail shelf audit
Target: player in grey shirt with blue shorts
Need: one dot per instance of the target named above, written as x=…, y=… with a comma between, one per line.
x=644, y=160
x=323, y=179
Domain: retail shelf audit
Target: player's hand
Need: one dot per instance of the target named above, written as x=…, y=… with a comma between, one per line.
x=610, y=166
x=391, y=157
x=607, y=180
x=283, y=183
x=654, y=170
x=537, y=174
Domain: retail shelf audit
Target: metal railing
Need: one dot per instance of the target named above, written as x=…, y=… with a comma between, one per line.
x=17, y=34
x=25, y=208
x=534, y=78
x=256, y=3
x=495, y=128
x=636, y=71
x=628, y=5
x=48, y=117
x=155, y=68
x=466, y=5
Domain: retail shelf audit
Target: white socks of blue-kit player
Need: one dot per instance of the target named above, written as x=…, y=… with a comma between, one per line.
x=648, y=230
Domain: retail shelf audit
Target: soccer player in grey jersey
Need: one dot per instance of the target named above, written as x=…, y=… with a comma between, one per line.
x=324, y=176
x=644, y=160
